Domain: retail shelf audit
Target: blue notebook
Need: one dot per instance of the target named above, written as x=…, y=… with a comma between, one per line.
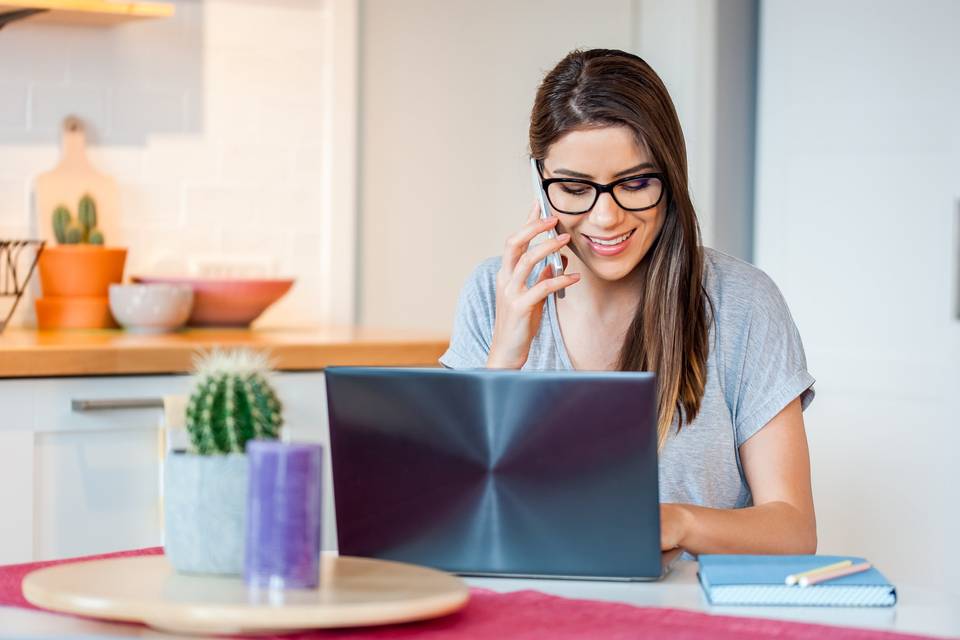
x=759, y=580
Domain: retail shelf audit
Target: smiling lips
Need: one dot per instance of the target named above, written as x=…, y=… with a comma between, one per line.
x=609, y=246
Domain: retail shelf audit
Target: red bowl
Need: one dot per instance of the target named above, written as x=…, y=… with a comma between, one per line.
x=226, y=302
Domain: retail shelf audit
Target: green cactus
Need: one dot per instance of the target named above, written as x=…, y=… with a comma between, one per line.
x=61, y=221
x=232, y=403
x=87, y=213
x=84, y=230
x=73, y=235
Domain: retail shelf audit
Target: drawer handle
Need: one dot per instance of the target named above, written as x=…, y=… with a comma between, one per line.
x=116, y=403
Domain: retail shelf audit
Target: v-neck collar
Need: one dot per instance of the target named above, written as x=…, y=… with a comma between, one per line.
x=554, y=321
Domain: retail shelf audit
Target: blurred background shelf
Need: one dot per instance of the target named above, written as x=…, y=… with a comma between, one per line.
x=86, y=12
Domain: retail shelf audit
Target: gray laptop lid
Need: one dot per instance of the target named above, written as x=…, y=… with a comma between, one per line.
x=493, y=472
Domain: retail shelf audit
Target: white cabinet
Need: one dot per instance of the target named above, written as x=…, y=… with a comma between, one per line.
x=76, y=482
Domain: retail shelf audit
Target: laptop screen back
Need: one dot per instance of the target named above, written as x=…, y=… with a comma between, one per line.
x=497, y=472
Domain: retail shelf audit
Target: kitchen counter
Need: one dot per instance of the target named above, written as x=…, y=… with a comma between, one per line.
x=30, y=353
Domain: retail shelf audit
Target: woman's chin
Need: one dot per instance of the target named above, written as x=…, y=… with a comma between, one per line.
x=612, y=270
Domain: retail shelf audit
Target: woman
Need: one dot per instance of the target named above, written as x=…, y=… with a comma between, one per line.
x=642, y=294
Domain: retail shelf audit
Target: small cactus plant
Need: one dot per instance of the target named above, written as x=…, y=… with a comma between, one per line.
x=84, y=230
x=74, y=234
x=232, y=403
x=61, y=221
x=87, y=214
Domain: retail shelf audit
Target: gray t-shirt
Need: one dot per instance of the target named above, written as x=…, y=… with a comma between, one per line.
x=756, y=367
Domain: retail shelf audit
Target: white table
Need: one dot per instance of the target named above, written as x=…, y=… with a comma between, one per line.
x=919, y=610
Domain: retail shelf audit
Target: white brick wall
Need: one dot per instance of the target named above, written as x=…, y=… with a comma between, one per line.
x=211, y=122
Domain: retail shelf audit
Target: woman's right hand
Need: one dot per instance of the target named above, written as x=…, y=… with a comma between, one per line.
x=520, y=308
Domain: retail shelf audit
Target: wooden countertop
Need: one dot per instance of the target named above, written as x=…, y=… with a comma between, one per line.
x=31, y=353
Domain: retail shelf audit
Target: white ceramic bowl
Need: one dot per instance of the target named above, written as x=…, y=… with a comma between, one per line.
x=151, y=308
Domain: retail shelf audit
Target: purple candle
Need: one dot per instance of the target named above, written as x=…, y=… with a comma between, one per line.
x=282, y=547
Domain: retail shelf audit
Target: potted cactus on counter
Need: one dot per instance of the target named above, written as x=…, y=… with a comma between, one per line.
x=205, y=488
x=84, y=230
x=76, y=275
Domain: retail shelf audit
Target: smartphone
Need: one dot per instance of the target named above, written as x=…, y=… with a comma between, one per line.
x=554, y=258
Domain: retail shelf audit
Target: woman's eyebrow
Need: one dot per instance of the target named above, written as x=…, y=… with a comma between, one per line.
x=587, y=176
x=639, y=167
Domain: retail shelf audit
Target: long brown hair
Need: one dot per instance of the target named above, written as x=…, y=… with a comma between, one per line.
x=669, y=332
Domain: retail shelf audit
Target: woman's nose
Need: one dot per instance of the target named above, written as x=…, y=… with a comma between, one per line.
x=606, y=212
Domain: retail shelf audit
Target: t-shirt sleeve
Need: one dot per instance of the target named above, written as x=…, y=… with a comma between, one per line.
x=473, y=322
x=772, y=367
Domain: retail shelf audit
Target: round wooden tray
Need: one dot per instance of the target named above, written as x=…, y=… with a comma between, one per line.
x=146, y=589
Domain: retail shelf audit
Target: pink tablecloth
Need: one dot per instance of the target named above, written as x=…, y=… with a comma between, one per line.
x=531, y=615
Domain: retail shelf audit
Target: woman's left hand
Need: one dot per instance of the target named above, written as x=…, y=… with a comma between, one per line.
x=674, y=520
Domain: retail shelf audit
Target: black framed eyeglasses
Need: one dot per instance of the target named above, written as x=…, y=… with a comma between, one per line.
x=576, y=196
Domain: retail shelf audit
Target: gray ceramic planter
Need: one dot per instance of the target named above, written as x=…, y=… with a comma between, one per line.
x=205, y=512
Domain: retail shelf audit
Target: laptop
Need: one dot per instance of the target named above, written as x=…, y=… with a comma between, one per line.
x=504, y=473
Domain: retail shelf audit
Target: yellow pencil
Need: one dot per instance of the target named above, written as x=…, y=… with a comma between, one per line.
x=794, y=578
x=807, y=581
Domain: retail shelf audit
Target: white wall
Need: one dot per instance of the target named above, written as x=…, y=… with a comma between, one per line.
x=705, y=51
x=219, y=125
x=446, y=93
x=858, y=188
x=231, y=130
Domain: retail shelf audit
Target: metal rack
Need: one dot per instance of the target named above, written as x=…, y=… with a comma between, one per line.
x=11, y=284
x=12, y=16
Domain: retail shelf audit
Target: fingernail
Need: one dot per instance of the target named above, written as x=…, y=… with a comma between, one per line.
x=563, y=236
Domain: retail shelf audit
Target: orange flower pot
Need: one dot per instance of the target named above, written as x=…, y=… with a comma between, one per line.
x=80, y=270
x=74, y=313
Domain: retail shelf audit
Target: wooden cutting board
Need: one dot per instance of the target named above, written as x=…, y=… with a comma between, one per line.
x=69, y=181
